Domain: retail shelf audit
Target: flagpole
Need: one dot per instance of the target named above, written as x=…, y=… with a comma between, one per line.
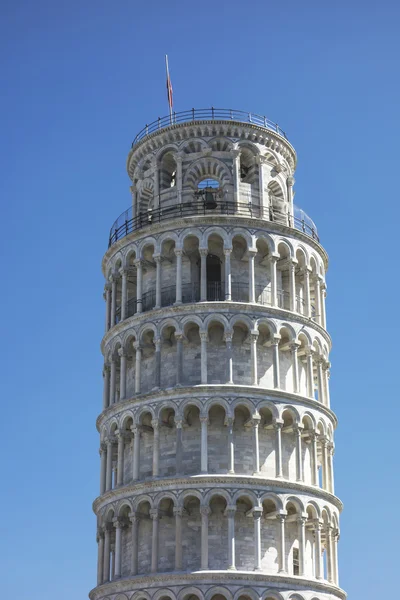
x=168, y=80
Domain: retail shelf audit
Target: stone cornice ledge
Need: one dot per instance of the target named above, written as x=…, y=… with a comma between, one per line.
x=214, y=391
x=198, y=308
x=224, y=220
x=239, y=578
x=195, y=481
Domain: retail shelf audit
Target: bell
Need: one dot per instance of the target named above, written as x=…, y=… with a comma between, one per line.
x=209, y=199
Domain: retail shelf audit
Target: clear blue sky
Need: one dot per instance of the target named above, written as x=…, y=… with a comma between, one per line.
x=78, y=80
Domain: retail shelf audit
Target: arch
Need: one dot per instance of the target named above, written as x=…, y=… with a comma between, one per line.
x=164, y=593
x=162, y=495
x=168, y=404
x=238, y=402
x=297, y=503
x=314, y=509
x=270, y=406
x=165, y=237
x=141, y=595
x=147, y=326
x=121, y=505
x=249, y=494
x=269, y=323
x=215, y=230
x=169, y=322
x=193, y=145
x=242, y=319
x=245, y=234
x=146, y=242
x=247, y=593
x=143, y=410
x=277, y=500
x=292, y=410
x=271, y=595
x=125, y=418
x=204, y=167
x=217, y=402
x=196, y=233
x=216, y=318
x=190, y=494
x=289, y=328
x=218, y=591
x=140, y=499
x=217, y=492
x=192, y=319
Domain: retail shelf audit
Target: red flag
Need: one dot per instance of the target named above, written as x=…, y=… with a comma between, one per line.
x=169, y=86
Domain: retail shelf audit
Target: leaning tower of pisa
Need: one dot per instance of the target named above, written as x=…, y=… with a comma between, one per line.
x=216, y=432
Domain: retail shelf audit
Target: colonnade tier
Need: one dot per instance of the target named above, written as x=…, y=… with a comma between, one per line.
x=223, y=347
x=191, y=436
x=219, y=529
x=189, y=265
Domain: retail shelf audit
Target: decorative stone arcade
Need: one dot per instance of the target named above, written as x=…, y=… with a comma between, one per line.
x=216, y=434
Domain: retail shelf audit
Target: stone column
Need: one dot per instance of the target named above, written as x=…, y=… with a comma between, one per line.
x=203, y=274
x=179, y=358
x=204, y=444
x=310, y=373
x=118, y=547
x=236, y=174
x=231, y=445
x=113, y=380
x=154, y=540
x=113, y=299
x=292, y=285
x=178, y=254
x=329, y=552
x=230, y=513
x=156, y=446
x=278, y=449
x=179, y=159
x=120, y=460
x=122, y=374
x=314, y=458
x=323, y=310
x=274, y=286
x=106, y=386
x=264, y=199
x=228, y=277
x=157, y=258
x=252, y=295
x=325, y=376
x=205, y=511
x=320, y=378
x=335, y=557
x=302, y=544
x=317, y=294
x=100, y=556
x=299, y=455
x=324, y=452
x=136, y=452
x=112, y=561
x=275, y=360
x=179, y=452
x=157, y=374
x=108, y=306
x=319, y=567
x=282, y=549
x=253, y=357
x=255, y=422
x=109, y=465
x=178, y=512
x=229, y=358
x=138, y=360
x=124, y=276
x=103, y=467
x=307, y=295
x=295, y=366
x=203, y=338
x=135, y=539
x=330, y=452
x=107, y=549
x=139, y=285
x=257, y=514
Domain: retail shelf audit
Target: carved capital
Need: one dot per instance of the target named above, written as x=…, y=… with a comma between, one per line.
x=205, y=511
x=154, y=514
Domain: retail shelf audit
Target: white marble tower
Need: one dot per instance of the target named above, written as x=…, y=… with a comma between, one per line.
x=216, y=434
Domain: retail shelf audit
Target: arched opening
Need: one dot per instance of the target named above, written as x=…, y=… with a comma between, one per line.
x=288, y=445
x=191, y=535
x=241, y=354
x=146, y=446
x=131, y=303
x=216, y=353
x=244, y=534
x=191, y=270
x=191, y=354
x=168, y=273
x=214, y=289
x=264, y=357
x=277, y=205
x=262, y=273
x=168, y=357
x=269, y=537
x=217, y=440
x=144, y=535
x=148, y=366
x=191, y=440
x=166, y=542
x=285, y=361
x=167, y=171
x=167, y=460
x=239, y=270
x=218, y=534
x=266, y=435
x=243, y=441
x=283, y=277
x=249, y=177
x=148, y=278
x=292, y=539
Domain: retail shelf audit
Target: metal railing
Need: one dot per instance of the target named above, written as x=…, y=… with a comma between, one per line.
x=208, y=114
x=215, y=291
x=126, y=223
